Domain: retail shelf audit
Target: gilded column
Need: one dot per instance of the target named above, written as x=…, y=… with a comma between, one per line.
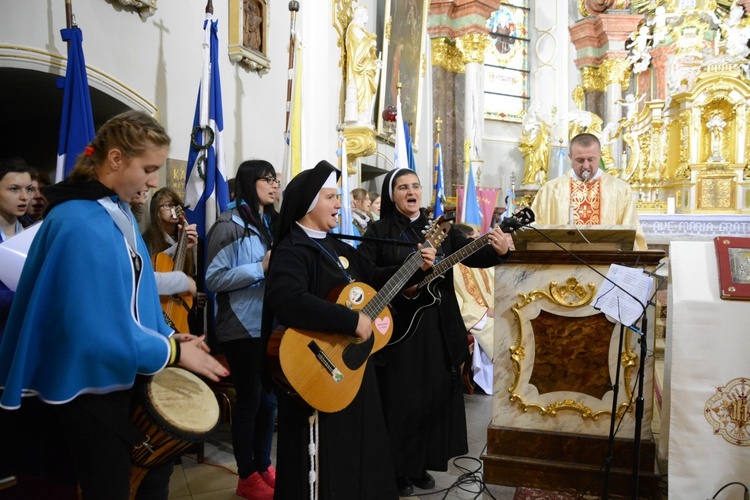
x=455, y=29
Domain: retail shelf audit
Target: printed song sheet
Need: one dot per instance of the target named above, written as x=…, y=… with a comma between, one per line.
x=617, y=295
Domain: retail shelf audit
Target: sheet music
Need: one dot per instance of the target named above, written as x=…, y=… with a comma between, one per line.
x=13, y=253
x=615, y=302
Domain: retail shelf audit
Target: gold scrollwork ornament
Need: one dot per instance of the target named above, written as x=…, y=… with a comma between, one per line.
x=446, y=55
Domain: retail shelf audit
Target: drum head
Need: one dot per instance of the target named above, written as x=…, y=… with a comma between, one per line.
x=183, y=401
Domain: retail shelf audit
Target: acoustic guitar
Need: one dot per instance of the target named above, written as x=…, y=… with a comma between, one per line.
x=176, y=307
x=409, y=306
x=326, y=369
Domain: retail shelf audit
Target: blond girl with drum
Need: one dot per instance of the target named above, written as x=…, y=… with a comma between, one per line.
x=86, y=318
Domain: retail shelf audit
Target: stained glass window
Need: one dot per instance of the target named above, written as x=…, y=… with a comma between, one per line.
x=506, y=65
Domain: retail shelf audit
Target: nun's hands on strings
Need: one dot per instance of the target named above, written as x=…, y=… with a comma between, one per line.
x=364, y=327
x=499, y=241
x=428, y=256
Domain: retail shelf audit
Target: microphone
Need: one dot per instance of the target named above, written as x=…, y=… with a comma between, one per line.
x=585, y=175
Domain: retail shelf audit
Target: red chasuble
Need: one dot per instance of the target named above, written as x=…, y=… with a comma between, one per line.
x=586, y=201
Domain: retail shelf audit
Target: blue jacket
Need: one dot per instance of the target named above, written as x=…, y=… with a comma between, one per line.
x=235, y=274
x=80, y=322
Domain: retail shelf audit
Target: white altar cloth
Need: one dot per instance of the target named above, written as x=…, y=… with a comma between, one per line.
x=707, y=346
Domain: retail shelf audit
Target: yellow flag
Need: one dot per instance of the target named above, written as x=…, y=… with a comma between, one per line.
x=296, y=131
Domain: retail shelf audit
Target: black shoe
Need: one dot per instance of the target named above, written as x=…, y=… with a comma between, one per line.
x=405, y=489
x=424, y=482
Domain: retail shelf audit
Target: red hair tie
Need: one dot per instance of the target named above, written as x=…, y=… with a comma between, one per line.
x=88, y=151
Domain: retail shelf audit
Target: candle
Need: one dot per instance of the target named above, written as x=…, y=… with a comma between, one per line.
x=670, y=205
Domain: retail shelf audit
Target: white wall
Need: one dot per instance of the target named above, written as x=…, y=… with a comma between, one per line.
x=159, y=60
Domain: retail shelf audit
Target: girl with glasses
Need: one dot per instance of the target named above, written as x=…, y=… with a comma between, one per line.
x=238, y=251
x=162, y=235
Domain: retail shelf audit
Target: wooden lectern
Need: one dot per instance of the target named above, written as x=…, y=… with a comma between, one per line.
x=555, y=361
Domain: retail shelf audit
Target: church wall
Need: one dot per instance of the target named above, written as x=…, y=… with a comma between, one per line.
x=160, y=59
x=553, y=76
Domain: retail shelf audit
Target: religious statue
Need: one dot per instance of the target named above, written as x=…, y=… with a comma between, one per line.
x=606, y=138
x=579, y=95
x=716, y=126
x=362, y=67
x=535, y=144
x=630, y=103
x=253, y=26
x=658, y=24
x=737, y=36
x=639, y=55
x=580, y=121
x=630, y=139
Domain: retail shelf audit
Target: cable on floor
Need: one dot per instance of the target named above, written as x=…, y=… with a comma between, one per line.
x=218, y=466
x=471, y=480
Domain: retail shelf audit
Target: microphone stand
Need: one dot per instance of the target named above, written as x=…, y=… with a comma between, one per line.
x=639, y=404
x=639, y=407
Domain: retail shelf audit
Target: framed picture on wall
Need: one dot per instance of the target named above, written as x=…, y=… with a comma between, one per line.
x=733, y=258
x=404, y=26
x=248, y=33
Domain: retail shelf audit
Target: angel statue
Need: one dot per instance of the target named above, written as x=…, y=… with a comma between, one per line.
x=639, y=55
x=630, y=104
x=535, y=144
x=362, y=67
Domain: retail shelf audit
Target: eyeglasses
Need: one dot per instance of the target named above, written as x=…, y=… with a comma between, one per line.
x=271, y=180
x=405, y=187
x=168, y=206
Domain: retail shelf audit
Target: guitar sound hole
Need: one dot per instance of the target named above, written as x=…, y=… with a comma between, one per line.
x=355, y=355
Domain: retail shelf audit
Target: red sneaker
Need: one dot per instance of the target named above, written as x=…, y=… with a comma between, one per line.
x=254, y=488
x=269, y=476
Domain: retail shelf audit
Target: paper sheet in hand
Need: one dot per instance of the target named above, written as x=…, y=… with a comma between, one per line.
x=618, y=304
x=13, y=253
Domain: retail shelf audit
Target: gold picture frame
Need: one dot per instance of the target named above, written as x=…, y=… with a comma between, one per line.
x=248, y=33
x=404, y=28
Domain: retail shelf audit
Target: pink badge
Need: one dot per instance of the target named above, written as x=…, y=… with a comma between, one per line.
x=382, y=324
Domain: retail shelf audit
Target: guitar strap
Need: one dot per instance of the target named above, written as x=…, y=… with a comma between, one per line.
x=336, y=259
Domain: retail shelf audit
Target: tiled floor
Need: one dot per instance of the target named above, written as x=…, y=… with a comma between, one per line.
x=216, y=479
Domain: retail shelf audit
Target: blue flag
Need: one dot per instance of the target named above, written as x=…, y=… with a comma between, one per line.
x=77, y=122
x=438, y=187
x=412, y=164
x=206, y=189
x=472, y=214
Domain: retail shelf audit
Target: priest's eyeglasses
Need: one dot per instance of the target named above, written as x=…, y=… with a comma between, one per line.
x=271, y=180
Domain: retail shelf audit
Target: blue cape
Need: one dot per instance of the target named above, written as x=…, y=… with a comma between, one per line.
x=77, y=324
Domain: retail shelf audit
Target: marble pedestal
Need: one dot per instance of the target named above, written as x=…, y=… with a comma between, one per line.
x=556, y=359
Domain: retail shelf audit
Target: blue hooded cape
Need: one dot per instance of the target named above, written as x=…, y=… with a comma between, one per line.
x=82, y=320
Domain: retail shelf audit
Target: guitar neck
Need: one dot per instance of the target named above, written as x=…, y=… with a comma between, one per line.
x=381, y=299
x=181, y=251
x=453, y=259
